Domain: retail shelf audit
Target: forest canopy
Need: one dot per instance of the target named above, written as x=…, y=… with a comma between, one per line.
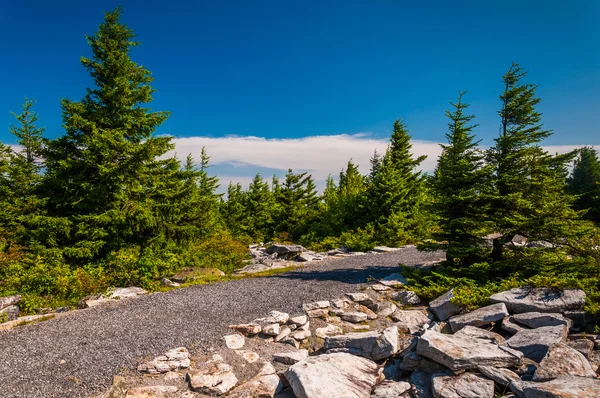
x=102, y=205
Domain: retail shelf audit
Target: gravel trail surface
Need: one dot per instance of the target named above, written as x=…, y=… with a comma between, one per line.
x=98, y=343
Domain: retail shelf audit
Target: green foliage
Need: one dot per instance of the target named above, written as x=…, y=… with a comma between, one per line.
x=221, y=251
x=459, y=184
x=361, y=240
x=584, y=182
x=528, y=196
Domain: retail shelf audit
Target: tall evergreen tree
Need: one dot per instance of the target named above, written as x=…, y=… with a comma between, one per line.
x=104, y=174
x=233, y=210
x=584, y=182
x=397, y=192
x=529, y=185
x=260, y=204
x=459, y=183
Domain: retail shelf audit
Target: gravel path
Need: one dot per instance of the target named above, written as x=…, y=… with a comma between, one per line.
x=99, y=342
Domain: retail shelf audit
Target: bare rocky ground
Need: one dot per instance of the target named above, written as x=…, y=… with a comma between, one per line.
x=77, y=355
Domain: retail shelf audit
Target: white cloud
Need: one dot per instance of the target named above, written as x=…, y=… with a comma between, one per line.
x=319, y=155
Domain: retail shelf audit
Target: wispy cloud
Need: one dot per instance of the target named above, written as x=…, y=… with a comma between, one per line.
x=318, y=155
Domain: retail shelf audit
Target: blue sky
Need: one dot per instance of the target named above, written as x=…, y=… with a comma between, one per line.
x=288, y=70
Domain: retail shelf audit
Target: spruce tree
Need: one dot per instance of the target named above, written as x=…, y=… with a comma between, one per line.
x=396, y=193
x=104, y=174
x=529, y=185
x=459, y=183
x=584, y=183
x=260, y=205
x=233, y=210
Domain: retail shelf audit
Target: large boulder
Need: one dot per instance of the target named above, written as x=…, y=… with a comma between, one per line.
x=562, y=360
x=392, y=389
x=464, y=353
x=337, y=375
x=527, y=299
x=480, y=317
x=442, y=307
x=541, y=319
x=481, y=334
x=563, y=387
x=535, y=343
x=372, y=345
x=466, y=385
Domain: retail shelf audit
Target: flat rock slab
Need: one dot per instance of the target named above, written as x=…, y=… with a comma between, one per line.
x=563, y=387
x=406, y=297
x=234, y=341
x=480, y=317
x=150, y=391
x=372, y=345
x=410, y=321
x=443, y=308
x=391, y=389
x=541, y=319
x=525, y=299
x=337, y=375
x=284, y=249
x=466, y=385
x=354, y=316
x=563, y=360
x=481, y=334
x=9, y=300
x=464, y=353
x=535, y=343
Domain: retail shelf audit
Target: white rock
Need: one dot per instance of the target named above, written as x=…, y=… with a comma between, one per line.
x=410, y=321
x=478, y=333
x=275, y=317
x=329, y=330
x=299, y=320
x=125, y=292
x=390, y=389
x=386, y=308
x=443, y=308
x=562, y=360
x=534, y=343
x=290, y=358
x=372, y=345
x=354, y=316
x=177, y=358
x=272, y=330
x=464, y=353
x=563, y=387
x=358, y=297
x=509, y=325
x=336, y=375
x=540, y=319
x=214, y=378
x=283, y=334
x=526, y=299
x=503, y=377
x=234, y=341
x=406, y=297
x=316, y=305
x=300, y=334
x=479, y=317
x=466, y=385
x=380, y=288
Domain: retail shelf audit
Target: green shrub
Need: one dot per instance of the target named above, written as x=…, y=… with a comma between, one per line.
x=361, y=240
x=220, y=251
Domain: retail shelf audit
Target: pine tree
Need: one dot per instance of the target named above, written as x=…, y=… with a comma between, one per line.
x=260, y=205
x=529, y=185
x=233, y=210
x=459, y=183
x=396, y=193
x=104, y=174
x=584, y=182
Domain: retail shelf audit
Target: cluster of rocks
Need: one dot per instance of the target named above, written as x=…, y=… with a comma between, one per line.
x=382, y=343
x=9, y=309
x=275, y=255
x=111, y=295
